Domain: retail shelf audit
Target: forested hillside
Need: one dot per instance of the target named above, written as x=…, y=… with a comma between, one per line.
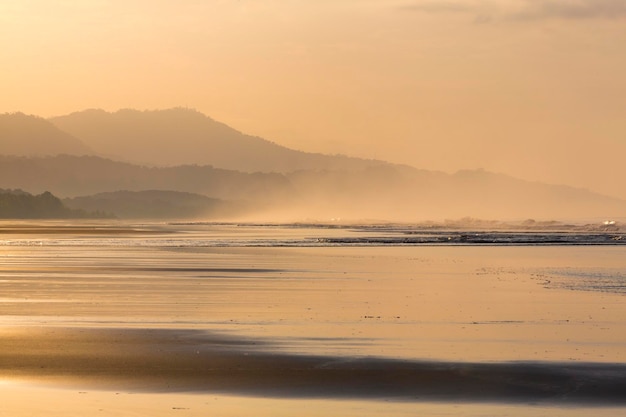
x=17, y=204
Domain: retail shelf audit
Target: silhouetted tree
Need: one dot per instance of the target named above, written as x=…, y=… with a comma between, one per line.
x=17, y=204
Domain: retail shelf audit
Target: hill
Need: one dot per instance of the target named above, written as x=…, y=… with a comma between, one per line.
x=18, y=204
x=409, y=194
x=383, y=192
x=71, y=176
x=185, y=137
x=156, y=204
x=266, y=181
x=25, y=135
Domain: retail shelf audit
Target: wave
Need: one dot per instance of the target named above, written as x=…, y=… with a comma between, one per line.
x=363, y=238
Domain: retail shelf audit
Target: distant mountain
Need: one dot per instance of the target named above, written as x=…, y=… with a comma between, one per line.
x=185, y=137
x=25, y=135
x=388, y=192
x=71, y=176
x=181, y=150
x=152, y=204
x=378, y=192
x=502, y=193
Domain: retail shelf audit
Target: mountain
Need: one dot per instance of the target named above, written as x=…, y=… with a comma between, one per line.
x=264, y=180
x=71, y=176
x=25, y=135
x=185, y=137
x=388, y=192
x=378, y=192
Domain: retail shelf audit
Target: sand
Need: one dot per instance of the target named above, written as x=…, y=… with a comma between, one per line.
x=175, y=360
x=354, y=329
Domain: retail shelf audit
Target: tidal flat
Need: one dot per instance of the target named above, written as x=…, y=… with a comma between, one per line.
x=233, y=319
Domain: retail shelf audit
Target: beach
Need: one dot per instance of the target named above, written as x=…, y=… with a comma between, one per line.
x=127, y=319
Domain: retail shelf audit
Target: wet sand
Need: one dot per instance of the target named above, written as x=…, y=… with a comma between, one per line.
x=175, y=360
x=478, y=326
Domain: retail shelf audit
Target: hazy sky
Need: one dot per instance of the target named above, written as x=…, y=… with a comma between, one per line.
x=531, y=88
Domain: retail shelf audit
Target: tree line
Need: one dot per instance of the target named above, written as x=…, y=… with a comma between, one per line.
x=18, y=204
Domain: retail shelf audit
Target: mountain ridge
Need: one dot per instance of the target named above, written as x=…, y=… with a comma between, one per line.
x=30, y=135
x=181, y=136
x=316, y=185
x=375, y=192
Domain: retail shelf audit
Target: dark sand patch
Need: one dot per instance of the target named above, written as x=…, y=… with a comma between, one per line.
x=154, y=360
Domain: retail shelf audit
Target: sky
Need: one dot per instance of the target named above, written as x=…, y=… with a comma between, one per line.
x=530, y=88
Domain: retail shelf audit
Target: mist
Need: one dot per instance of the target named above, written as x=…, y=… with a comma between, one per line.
x=179, y=163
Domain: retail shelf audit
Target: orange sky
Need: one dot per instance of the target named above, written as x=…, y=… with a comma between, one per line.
x=531, y=88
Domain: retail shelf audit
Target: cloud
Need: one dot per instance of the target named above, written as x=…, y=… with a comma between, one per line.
x=571, y=9
x=484, y=10
x=441, y=7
